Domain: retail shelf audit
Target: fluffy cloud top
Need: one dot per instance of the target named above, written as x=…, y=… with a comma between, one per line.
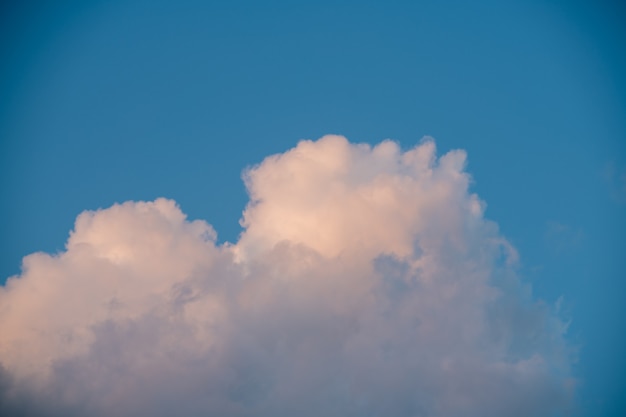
x=366, y=283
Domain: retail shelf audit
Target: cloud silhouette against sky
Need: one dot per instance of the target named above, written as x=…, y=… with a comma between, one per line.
x=366, y=282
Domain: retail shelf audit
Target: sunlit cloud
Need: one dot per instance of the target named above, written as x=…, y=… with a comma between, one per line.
x=366, y=282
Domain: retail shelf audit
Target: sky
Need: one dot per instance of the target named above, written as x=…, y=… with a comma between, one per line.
x=341, y=208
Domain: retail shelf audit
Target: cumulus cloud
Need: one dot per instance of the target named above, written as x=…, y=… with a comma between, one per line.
x=366, y=282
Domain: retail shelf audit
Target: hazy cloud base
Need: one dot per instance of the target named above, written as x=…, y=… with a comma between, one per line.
x=366, y=283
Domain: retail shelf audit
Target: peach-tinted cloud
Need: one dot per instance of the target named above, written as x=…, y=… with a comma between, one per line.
x=366, y=282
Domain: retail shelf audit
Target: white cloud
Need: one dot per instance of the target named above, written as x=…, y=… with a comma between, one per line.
x=366, y=283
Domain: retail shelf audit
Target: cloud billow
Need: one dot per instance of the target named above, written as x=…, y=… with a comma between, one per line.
x=366, y=282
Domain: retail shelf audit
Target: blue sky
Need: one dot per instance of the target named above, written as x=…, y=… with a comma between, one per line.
x=105, y=102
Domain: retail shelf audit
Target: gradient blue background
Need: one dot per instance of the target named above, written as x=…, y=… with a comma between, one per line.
x=103, y=102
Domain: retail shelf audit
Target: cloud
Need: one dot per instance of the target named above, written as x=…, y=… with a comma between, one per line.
x=615, y=176
x=562, y=238
x=366, y=282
